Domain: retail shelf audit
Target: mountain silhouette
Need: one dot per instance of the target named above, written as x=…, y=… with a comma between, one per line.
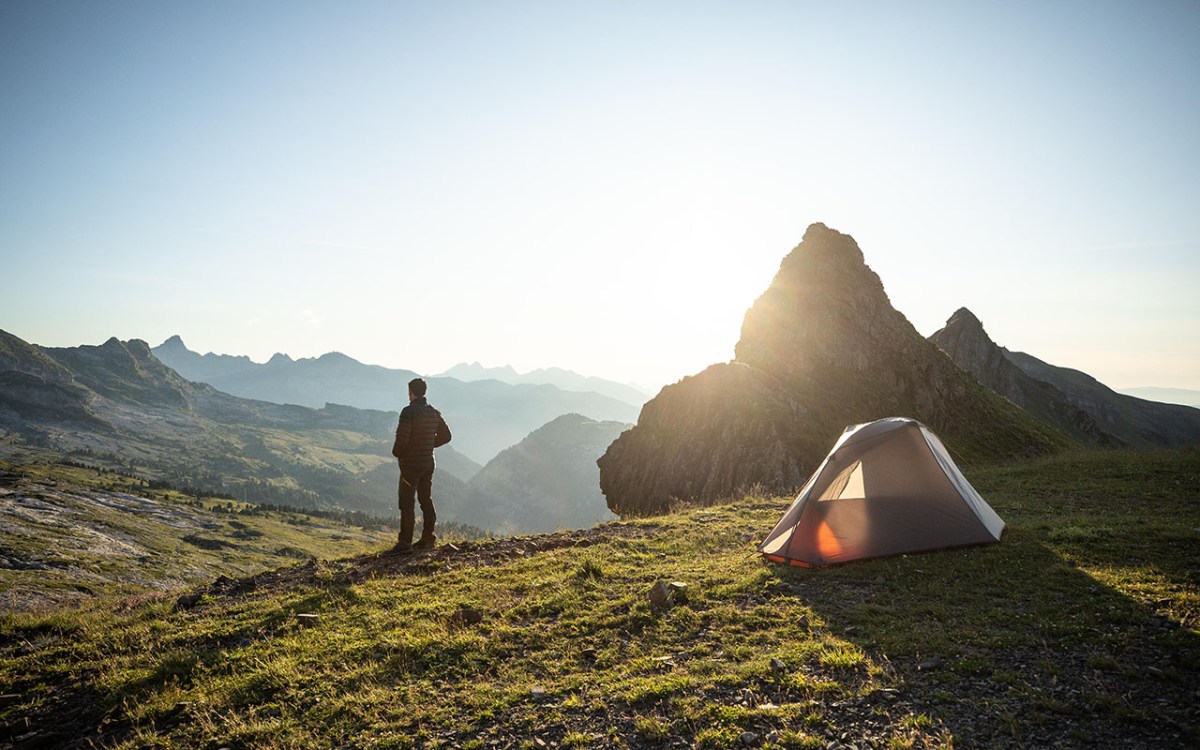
x=820, y=349
x=547, y=482
x=567, y=380
x=486, y=416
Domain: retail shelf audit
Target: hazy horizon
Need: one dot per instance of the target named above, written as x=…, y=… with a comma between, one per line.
x=602, y=187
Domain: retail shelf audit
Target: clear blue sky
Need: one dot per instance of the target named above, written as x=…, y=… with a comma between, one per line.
x=602, y=186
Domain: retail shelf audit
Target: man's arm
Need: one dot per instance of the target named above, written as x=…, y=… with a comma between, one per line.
x=443, y=433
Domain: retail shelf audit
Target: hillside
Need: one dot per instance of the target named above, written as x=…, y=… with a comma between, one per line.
x=117, y=406
x=820, y=349
x=1072, y=401
x=547, y=482
x=486, y=416
x=968, y=344
x=69, y=534
x=1069, y=633
x=1135, y=421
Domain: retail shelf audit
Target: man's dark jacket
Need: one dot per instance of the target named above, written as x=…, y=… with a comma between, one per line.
x=420, y=430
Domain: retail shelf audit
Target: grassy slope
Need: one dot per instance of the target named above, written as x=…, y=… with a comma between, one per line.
x=77, y=533
x=1079, y=629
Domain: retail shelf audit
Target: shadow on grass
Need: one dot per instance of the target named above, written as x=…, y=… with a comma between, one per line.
x=1012, y=645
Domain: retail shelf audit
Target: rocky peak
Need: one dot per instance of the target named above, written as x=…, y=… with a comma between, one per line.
x=125, y=371
x=964, y=318
x=821, y=348
x=968, y=344
x=824, y=307
x=175, y=343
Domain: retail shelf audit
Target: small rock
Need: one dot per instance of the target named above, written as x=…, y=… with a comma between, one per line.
x=588, y=653
x=187, y=601
x=748, y=738
x=465, y=615
x=777, y=666
x=933, y=663
x=660, y=595
x=307, y=620
x=679, y=591
x=537, y=693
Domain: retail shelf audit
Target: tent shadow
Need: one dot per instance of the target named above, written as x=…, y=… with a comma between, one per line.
x=1012, y=645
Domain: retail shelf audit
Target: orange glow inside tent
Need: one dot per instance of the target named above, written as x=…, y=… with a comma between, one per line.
x=886, y=488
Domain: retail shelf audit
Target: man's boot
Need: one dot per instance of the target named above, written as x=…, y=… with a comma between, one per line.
x=426, y=541
x=404, y=538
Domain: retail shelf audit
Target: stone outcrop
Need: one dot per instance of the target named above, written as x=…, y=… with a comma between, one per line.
x=821, y=349
x=968, y=344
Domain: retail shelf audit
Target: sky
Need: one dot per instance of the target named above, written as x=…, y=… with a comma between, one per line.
x=600, y=186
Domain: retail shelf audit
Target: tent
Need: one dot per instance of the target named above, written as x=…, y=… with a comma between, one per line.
x=886, y=488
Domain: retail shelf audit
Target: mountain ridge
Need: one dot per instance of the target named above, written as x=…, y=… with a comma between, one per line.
x=820, y=349
x=568, y=380
x=964, y=339
x=1136, y=421
x=116, y=405
x=486, y=416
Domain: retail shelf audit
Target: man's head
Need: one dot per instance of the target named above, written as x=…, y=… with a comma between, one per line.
x=416, y=388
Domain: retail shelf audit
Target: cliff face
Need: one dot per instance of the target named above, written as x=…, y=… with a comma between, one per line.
x=822, y=348
x=968, y=344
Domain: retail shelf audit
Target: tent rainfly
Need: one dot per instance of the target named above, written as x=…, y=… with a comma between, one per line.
x=887, y=487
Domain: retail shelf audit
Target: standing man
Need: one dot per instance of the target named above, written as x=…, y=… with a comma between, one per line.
x=421, y=429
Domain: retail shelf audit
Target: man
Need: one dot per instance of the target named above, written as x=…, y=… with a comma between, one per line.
x=421, y=429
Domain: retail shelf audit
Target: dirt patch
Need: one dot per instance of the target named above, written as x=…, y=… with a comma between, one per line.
x=442, y=558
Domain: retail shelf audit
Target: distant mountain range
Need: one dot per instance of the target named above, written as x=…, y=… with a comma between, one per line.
x=548, y=481
x=118, y=406
x=1071, y=400
x=486, y=416
x=1182, y=396
x=556, y=376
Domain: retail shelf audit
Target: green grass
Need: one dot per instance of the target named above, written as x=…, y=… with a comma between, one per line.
x=1078, y=629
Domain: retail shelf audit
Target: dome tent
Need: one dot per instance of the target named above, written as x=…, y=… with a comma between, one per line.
x=886, y=488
